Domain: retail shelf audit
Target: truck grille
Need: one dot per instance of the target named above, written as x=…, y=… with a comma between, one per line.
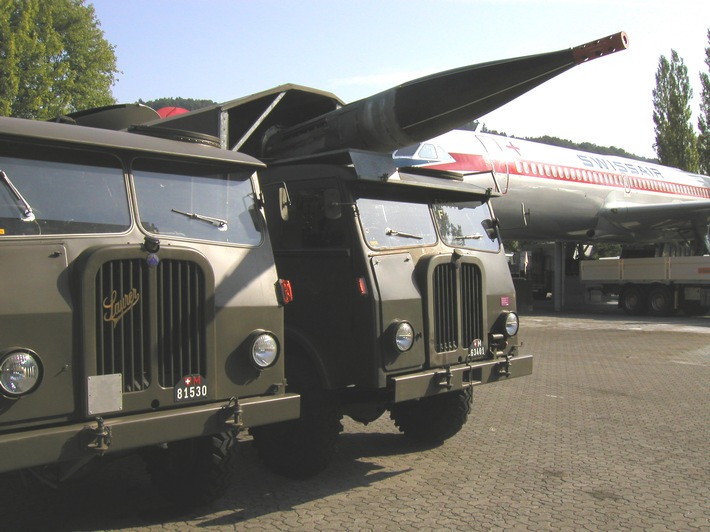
x=181, y=321
x=130, y=298
x=458, y=306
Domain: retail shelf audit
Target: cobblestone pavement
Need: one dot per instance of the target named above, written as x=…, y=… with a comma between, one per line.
x=611, y=432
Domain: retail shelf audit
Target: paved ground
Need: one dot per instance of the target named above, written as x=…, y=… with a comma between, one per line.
x=611, y=432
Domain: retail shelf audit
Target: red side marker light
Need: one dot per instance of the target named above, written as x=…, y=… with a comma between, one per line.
x=362, y=286
x=285, y=291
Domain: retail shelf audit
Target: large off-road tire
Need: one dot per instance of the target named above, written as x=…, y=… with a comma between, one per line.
x=304, y=447
x=432, y=420
x=193, y=472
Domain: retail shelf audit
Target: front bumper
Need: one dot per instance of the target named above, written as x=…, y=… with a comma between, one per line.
x=83, y=441
x=443, y=380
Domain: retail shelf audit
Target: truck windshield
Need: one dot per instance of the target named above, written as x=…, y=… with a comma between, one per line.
x=391, y=224
x=467, y=225
x=196, y=202
x=52, y=192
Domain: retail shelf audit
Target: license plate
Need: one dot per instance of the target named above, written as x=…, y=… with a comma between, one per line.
x=477, y=349
x=190, y=388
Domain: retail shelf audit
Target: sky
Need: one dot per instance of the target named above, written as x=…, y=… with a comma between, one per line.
x=225, y=49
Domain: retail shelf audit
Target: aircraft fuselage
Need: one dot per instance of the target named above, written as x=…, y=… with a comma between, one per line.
x=552, y=193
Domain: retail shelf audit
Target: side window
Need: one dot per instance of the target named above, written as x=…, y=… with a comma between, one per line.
x=47, y=191
x=318, y=229
x=314, y=218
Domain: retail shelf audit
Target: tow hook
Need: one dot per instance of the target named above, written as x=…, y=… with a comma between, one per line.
x=443, y=378
x=504, y=367
x=231, y=414
x=99, y=438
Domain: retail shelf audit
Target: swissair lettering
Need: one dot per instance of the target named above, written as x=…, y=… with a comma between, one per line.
x=624, y=167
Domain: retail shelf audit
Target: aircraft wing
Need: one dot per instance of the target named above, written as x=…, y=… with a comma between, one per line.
x=679, y=216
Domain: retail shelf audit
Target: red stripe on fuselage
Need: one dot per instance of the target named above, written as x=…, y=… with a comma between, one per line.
x=478, y=163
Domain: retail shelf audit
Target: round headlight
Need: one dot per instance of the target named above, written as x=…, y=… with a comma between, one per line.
x=404, y=336
x=264, y=350
x=511, y=324
x=20, y=373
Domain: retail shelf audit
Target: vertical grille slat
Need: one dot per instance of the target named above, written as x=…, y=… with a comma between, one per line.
x=457, y=298
x=445, y=303
x=123, y=327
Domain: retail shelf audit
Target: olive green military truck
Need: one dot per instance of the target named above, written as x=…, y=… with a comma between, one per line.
x=402, y=301
x=140, y=304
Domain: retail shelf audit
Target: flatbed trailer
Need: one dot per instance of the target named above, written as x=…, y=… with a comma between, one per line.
x=655, y=285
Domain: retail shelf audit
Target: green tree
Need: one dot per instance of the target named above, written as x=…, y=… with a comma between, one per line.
x=53, y=59
x=704, y=118
x=676, y=142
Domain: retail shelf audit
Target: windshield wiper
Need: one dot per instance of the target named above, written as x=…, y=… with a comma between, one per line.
x=27, y=214
x=474, y=236
x=392, y=232
x=219, y=223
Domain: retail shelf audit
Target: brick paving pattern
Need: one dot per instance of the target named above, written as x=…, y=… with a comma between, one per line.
x=611, y=432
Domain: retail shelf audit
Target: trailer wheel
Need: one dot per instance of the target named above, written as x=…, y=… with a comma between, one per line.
x=433, y=419
x=193, y=472
x=633, y=300
x=304, y=447
x=660, y=301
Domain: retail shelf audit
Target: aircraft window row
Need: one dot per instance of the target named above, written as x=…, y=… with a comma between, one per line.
x=672, y=188
x=587, y=176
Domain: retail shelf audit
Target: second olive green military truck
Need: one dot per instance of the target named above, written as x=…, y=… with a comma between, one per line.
x=140, y=308
x=403, y=302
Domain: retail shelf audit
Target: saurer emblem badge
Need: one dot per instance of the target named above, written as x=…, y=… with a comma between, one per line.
x=117, y=307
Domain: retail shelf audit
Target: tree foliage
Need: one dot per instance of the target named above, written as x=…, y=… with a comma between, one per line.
x=704, y=118
x=564, y=143
x=53, y=59
x=676, y=142
x=190, y=104
x=590, y=147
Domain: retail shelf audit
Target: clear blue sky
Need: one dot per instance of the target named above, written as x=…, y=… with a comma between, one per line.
x=224, y=49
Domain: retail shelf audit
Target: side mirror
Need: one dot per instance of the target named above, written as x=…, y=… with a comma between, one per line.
x=284, y=202
x=490, y=227
x=331, y=199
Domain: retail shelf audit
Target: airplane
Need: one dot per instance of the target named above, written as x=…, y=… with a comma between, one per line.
x=550, y=193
